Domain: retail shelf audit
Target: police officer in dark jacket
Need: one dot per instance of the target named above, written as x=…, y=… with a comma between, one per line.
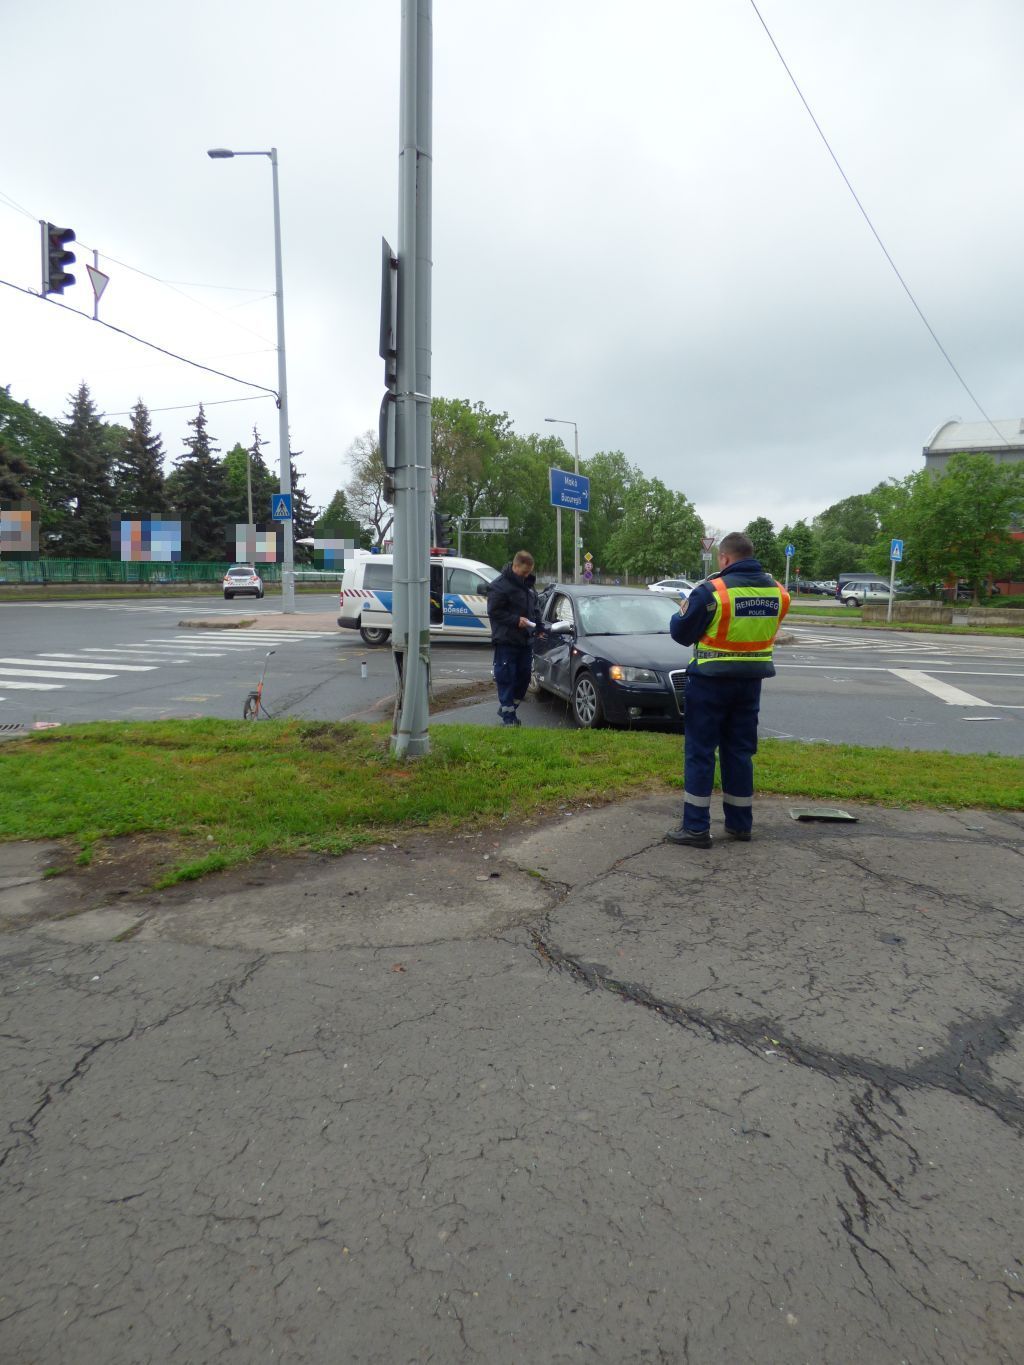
x=513, y=611
x=732, y=619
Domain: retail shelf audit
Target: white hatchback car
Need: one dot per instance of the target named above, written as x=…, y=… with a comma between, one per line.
x=242, y=578
x=672, y=587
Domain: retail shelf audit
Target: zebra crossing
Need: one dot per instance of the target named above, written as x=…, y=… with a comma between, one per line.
x=52, y=670
x=924, y=647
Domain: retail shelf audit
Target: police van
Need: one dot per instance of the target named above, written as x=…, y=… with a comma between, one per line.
x=458, y=597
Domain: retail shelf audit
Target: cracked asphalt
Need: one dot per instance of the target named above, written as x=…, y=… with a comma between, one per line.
x=564, y=1093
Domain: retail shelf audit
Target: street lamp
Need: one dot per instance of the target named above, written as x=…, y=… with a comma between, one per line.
x=565, y=422
x=288, y=567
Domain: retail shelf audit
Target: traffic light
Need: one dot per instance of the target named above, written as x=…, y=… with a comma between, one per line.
x=388, y=349
x=444, y=528
x=56, y=258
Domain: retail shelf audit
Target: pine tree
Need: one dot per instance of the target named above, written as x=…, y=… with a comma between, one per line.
x=36, y=443
x=139, y=472
x=303, y=514
x=13, y=475
x=197, y=490
x=262, y=480
x=86, y=475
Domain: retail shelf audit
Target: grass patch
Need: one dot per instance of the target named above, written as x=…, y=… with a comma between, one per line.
x=228, y=790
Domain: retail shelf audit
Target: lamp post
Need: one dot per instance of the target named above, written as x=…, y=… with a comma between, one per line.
x=288, y=567
x=566, y=422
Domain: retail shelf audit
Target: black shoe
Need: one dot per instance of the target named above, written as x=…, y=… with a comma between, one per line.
x=742, y=835
x=690, y=838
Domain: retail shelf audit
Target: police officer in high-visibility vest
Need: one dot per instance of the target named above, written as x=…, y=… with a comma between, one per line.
x=732, y=619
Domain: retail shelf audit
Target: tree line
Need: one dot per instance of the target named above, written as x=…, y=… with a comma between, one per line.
x=956, y=525
x=83, y=473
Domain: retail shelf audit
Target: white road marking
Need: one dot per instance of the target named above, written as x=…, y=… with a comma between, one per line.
x=60, y=661
x=946, y=692
x=881, y=668
x=31, y=687
x=49, y=673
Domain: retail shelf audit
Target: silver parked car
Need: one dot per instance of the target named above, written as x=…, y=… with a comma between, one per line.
x=672, y=587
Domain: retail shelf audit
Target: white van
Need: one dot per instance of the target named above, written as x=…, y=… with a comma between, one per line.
x=458, y=597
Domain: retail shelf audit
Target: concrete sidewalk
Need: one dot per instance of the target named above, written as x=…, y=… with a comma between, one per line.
x=558, y=1093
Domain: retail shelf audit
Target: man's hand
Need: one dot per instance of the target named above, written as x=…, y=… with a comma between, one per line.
x=525, y=623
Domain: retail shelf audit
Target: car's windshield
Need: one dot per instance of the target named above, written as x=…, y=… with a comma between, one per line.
x=625, y=614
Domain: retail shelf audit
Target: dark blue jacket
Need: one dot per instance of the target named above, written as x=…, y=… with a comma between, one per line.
x=508, y=598
x=688, y=628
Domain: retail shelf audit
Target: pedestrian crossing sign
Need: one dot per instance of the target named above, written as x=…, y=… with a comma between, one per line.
x=281, y=507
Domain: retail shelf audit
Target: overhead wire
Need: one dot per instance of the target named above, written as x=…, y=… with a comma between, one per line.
x=874, y=231
x=142, y=340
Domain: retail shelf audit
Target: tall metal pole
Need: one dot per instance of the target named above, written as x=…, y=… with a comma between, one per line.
x=558, y=545
x=411, y=615
x=288, y=567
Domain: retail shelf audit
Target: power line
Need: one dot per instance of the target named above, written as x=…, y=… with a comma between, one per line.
x=168, y=284
x=143, y=342
x=874, y=231
x=180, y=407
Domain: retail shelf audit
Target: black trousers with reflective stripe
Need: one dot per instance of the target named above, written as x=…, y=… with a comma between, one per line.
x=721, y=714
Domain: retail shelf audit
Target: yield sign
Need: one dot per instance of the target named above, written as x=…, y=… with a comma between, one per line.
x=707, y=543
x=99, y=281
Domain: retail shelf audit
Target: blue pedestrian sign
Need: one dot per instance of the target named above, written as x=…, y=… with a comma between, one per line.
x=570, y=490
x=790, y=551
x=281, y=507
x=896, y=551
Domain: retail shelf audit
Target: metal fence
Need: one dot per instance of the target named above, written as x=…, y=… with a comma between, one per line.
x=116, y=571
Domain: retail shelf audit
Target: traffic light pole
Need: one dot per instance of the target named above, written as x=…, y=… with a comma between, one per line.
x=411, y=616
x=288, y=527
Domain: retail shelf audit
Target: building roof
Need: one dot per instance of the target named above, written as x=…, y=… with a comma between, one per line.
x=954, y=436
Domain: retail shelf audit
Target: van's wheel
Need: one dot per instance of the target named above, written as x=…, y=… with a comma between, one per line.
x=587, y=710
x=373, y=636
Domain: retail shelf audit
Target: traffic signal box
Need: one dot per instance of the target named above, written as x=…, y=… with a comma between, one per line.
x=444, y=528
x=56, y=258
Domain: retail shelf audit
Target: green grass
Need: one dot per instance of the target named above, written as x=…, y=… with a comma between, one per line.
x=227, y=790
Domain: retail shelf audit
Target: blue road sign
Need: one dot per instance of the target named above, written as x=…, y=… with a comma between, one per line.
x=281, y=507
x=570, y=490
x=896, y=551
x=790, y=551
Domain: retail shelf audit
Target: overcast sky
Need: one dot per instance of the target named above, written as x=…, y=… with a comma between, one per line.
x=636, y=225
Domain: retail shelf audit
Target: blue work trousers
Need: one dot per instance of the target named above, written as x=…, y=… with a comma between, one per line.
x=512, y=667
x=721, y=713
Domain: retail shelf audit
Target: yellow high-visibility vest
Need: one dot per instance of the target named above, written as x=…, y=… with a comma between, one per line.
x=743, y=628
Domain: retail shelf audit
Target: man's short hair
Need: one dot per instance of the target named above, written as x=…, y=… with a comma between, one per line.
x=737, y=545
x=522, y=559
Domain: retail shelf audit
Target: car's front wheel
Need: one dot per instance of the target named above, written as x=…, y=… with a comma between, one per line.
x=228, y=596
x=373, y=636
x=587, y=711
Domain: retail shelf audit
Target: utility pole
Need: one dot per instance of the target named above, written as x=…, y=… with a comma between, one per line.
x=411, y=614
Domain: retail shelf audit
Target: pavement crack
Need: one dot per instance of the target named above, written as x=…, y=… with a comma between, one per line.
x=960, y=1069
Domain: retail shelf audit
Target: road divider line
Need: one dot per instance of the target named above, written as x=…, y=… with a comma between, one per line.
x=946, y=692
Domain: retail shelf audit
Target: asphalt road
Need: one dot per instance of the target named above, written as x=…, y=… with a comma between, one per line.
x=79, y=661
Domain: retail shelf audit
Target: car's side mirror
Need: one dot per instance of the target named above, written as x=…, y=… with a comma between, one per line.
x=559, y=628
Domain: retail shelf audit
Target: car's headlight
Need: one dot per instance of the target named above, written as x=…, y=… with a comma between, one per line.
x=621, y=674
